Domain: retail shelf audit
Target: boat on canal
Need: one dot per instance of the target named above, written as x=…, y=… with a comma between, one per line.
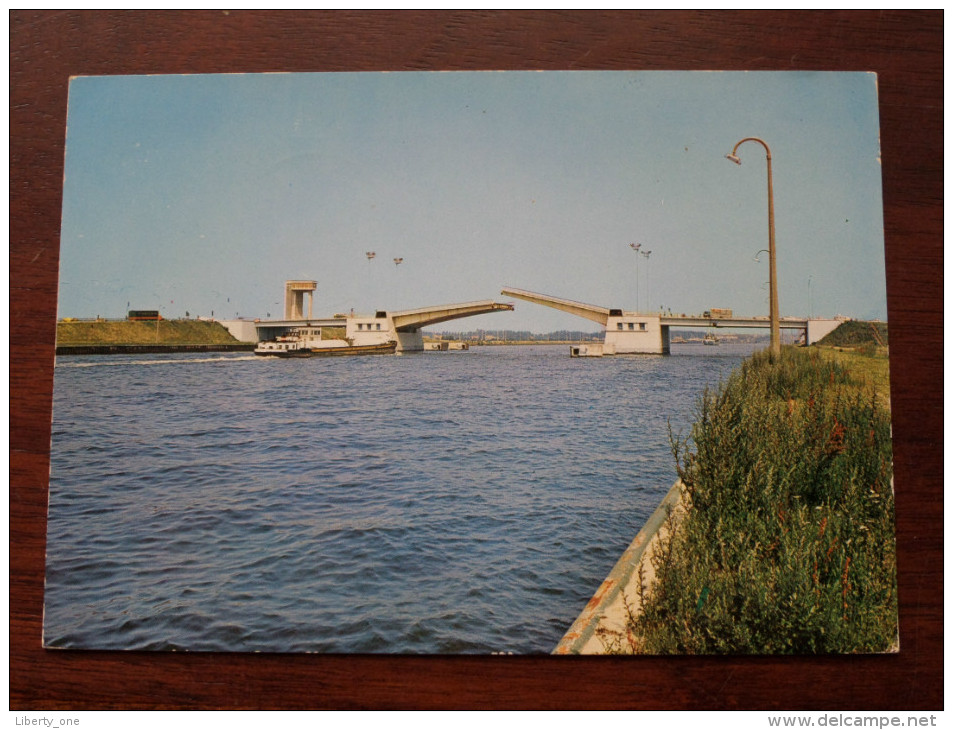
x=308, y=342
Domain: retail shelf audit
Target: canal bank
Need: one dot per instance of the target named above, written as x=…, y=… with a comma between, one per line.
x=604, y=625
x=128, y=337
x=786, y=542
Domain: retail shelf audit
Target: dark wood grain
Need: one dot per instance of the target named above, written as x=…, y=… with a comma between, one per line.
x=904, y=48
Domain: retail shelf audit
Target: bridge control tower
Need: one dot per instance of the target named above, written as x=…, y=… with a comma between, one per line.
x=294, y=298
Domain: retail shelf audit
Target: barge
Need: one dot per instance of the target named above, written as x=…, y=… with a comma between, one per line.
x=308, y=342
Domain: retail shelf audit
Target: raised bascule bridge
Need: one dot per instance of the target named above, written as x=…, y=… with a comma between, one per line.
x=409, y=323
x=381, y=327
x=630, y=333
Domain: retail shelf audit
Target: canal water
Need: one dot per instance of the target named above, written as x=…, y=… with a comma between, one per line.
x=452, y=502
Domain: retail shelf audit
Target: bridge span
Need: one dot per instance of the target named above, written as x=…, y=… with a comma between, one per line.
x=413, y=320
x=380, y=328
x=648, y=333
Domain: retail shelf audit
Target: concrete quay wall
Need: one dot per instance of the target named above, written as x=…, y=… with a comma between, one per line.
x=603, y=623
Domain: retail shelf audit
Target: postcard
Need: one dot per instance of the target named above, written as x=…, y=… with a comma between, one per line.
x=472, y=363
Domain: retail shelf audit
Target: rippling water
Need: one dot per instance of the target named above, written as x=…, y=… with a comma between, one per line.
x=461, y=502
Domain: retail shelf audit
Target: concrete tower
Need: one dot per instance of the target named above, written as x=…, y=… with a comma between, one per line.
x=294, y=298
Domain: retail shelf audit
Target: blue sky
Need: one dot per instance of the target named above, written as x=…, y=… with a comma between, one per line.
x=205, y=193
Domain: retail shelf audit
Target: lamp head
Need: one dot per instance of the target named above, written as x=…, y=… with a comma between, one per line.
x=733, y=158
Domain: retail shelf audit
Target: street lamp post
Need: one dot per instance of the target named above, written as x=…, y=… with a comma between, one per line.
x=636, y=247
x=810, y=299
x=772, y=254
x=647, y=292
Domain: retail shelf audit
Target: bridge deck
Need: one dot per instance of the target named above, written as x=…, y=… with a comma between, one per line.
x=591, y=312
x=412, y=320
x=696, y=321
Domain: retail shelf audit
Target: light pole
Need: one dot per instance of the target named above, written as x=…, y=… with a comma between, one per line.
x=636, y=247
x=647, y=292
x=772, y=253
x=810, y=299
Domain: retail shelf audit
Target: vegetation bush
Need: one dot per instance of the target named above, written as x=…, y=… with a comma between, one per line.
x=787, y=543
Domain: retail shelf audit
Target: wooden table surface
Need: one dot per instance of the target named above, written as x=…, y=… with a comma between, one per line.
x=904, y=48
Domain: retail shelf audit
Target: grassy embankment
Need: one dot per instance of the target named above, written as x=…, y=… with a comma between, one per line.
x=863, y=348
x=165, y=332
x=786, y=544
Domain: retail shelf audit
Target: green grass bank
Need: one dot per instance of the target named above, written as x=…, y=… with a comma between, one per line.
x=119, y=332
x=857, y=333
x=786, y=542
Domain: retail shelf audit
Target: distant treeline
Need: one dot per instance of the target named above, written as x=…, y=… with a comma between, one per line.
x=520, y=336
x=697, y=333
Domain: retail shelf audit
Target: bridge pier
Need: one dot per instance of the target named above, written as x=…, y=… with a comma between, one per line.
x=410, y=341
x=629, y=333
